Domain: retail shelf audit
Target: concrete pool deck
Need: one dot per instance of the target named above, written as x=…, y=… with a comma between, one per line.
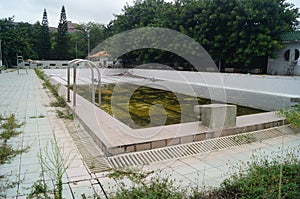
x=114, y=137
x=25, y=96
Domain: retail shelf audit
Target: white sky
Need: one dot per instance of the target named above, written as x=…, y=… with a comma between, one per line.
x=100, y=11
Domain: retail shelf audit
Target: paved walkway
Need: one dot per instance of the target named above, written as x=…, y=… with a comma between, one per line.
x=25, y=96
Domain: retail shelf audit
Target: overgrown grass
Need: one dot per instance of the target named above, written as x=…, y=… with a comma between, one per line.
x=144, y=185
x=292, y=115
x=275, y=176
x=9, y=128
x=272, y=176
x=54, y=162
x=60, y=101
x=65, y=115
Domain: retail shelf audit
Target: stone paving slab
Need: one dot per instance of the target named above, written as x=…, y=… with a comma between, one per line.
x=24, y=96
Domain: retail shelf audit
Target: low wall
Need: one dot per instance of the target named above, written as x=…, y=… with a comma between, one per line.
x=114, y=137
x=257, y=91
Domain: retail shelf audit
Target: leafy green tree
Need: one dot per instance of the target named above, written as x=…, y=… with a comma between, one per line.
x=96, y=33
x=235, y=32
x=17, y=39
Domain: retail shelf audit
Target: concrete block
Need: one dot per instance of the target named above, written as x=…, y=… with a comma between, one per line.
x=130, y=148
x=158, y=144
x=260, y=127
x=226, y=132
x=199, y=137
x=143, y=146
x=173, y=141
x=218, y=116
x=186, y=139
x=252, y=128
x=115, y=150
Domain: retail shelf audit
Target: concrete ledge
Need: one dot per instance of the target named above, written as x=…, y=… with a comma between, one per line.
x=114, y=137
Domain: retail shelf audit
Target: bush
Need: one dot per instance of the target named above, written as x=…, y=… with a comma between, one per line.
x=292, y=115
x=142, y=187
x=262, y=178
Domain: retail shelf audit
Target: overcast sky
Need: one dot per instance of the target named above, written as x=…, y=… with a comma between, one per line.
x=78, y=11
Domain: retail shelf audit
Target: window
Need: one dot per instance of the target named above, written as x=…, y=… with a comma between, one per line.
x=287, y=55
x=296, y=54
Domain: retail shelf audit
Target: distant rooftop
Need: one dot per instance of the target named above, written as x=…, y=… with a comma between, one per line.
x=291, y=36
x=71, y=27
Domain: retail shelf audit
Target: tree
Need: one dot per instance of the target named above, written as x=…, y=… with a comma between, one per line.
x=146, y=13
x=236, y=33
x=17, y=39
x=97, y=33
x=62, y=42
x=45, y=46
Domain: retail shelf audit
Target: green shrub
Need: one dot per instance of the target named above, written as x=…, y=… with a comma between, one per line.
x=60, y=101
x=8, y=130
x=264, y=178
x=67, y=115
x=292, y=115
x=144, y=186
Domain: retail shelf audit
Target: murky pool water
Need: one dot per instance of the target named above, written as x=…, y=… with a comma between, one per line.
x=141, y=107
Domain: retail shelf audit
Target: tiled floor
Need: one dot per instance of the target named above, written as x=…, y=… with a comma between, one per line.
x=24, y=96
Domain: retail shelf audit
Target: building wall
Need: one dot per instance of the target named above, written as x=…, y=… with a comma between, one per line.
x=279, y=65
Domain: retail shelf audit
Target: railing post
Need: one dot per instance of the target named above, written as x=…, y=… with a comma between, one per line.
x=99, y=83
x=75, y=61
x=91, y=65
x=68, y=83
x=74, y=85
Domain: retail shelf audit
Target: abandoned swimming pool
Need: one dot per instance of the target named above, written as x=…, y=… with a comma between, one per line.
x=149, y=107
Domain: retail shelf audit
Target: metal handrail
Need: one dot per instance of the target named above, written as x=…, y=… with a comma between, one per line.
x=91, y=66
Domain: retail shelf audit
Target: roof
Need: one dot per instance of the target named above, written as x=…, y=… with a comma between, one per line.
x=100, y=54
x=291, y=36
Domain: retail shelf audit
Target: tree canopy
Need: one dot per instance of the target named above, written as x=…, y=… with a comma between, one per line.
x=62, y=41
x=236, y=33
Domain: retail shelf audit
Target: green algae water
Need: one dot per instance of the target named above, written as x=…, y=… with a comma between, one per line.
x=133, y=105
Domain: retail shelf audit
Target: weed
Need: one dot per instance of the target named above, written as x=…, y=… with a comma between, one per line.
x=8, y=126
x=60, y=101
x=40, y=116
x=292, y=115
x=144, y=185
x=39, y=190
x=273, y=176
x=244, y=138
x=54, y=162
x=67, y=115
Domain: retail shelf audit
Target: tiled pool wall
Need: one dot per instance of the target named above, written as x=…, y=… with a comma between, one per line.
x=257, y=91
x=283, y=96
x=191, y=138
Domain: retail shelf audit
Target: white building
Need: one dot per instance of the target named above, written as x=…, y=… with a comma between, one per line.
x=102, y=59
x=287, y=61
x=45, y=64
